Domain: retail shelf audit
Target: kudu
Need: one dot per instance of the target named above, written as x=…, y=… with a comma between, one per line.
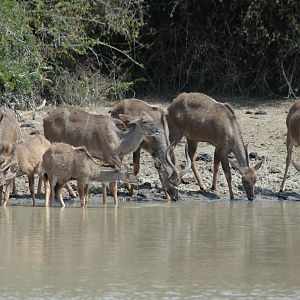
x=293, y=137
x=20, y=159
x=62, y=162
x=98, y=133
x=158, y=145
x=10, y=131
x=202, y=119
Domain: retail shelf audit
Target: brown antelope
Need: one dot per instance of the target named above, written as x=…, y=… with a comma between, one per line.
x=202, y=119
x=293, y=137
x=62, y=162
x=98, y=133
x=20, y=159
x=157, y=145
x=10, y=131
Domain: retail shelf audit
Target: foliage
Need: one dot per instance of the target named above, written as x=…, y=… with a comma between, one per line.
x=236, y=47
x=21, y=65
x=85, y=50
x=90, y=37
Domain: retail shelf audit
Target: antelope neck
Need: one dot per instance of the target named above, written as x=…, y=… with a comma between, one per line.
x=130, y=141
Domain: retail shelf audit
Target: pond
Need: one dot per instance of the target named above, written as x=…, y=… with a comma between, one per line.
x=152, y=250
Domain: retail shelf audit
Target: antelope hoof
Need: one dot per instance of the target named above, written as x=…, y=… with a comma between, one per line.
x=168, y=198
x=203, y=188
x=213, y=188
x=73, y=195
x=130, y=191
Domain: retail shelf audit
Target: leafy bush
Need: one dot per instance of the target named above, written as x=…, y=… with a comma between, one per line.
x=83, y=51
x=21, y=65
x=81, y=37
x=229, y=47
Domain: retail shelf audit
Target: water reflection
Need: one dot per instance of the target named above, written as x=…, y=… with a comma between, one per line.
x=134, y=251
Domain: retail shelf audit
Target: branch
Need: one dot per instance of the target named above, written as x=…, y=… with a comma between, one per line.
x=291, y=92
x=124, y=53
x=34, y=110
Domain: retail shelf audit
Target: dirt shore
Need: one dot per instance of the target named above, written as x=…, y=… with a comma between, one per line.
x=263, y=128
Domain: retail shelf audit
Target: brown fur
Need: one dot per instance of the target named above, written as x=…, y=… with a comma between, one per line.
x=228, y=106
x=98, y=133
x=202, y=119
x=10, y=131
x=26, y=155
x=293, y=136
x=156, y=145
x=62, y=162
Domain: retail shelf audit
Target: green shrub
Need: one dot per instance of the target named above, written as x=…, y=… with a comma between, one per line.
x=21, y=65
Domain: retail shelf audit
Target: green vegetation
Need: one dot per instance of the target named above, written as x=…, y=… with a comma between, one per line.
x=84, y=51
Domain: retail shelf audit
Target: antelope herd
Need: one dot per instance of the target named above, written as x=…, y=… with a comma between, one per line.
x=85, y=147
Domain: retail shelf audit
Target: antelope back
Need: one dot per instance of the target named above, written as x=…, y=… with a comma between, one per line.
x=200, y=118
x=98, y=133
x=29, y=153
x=58, y=161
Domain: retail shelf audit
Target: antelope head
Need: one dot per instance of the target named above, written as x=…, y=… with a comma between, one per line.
x=125, y=172
x=8, y=172
x=249, y=175
x=144, y=122
x=170, y=175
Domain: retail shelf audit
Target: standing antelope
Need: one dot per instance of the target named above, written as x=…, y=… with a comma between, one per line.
x=20, y=159
x=157, y=145
x=202, y=119
x=98, y=133
x=293, y=137
x=10, y=131
x=62, y=162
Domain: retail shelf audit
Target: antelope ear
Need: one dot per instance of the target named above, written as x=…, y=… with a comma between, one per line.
x=113, y=162
x=259, y=164
x=120, y=124
x=4, y=170
x=8, y=149
x=116, y=163
x=126, y=118
x=11, y=172
x=236, y=166
x=14, y=168
x=145, y=114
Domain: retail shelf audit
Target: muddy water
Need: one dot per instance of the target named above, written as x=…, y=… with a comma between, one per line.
x=200, y=249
